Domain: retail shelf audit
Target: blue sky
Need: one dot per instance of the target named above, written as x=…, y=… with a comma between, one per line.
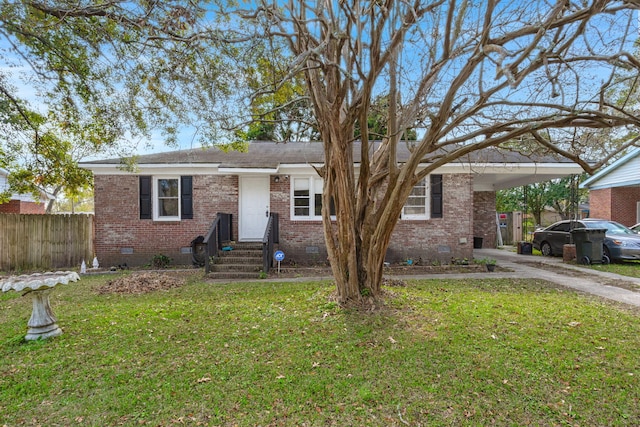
x=20, y=78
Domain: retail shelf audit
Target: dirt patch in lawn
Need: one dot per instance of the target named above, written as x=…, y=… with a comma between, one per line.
x=140, y=283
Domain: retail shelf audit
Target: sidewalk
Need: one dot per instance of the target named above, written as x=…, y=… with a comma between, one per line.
x=553, y=269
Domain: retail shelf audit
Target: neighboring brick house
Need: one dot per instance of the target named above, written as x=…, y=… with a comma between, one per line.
x=614, y=192
x=22, y=203
x=174, y=197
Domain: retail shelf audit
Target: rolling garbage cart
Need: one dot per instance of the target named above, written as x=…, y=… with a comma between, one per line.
x=590, y=245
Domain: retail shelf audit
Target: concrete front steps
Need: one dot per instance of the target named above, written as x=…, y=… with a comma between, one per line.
x=244, y=261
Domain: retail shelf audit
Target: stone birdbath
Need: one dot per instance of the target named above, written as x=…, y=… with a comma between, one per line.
x=43, y=323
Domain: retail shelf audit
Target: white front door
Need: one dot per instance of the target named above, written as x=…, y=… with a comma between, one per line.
x=254, y=207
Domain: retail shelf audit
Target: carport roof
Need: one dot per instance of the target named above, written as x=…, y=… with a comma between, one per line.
x=493, y=168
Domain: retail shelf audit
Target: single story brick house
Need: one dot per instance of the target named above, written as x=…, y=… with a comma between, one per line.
x=174, y=197
x=22, y=203
x=614, y=191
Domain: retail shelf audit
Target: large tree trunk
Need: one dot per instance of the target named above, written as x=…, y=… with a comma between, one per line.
x=341, y=236
x=357, y=241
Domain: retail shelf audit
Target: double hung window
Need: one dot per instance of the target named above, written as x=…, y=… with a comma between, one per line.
x=166, y=198
x=416, y=205
x=307, y=198
x=424, y=202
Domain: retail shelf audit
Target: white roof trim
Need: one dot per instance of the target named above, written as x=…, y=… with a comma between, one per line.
x=151, y=168
x=245, y=171
x=111, y=169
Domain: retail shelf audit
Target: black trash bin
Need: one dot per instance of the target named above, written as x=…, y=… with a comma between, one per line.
x=525, y=248
x=198, y=251
x=590, y=245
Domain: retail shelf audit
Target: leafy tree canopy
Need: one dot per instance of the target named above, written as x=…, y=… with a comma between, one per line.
x=79, y=78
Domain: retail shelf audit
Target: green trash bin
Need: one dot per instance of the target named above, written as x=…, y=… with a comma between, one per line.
x=590, y=245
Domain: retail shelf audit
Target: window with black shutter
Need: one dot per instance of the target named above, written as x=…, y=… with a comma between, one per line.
x=436, y=196
x=166, y=198
x=145, y=197
x=186, y=197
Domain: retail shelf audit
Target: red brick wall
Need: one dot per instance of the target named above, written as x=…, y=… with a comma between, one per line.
x=301, y=241
x=426, y=240
x=600, y=203
x=484, y=217
x=439, y=239
x=617, y=204
x=118, y=223
x=624, y=202
x=20, y=207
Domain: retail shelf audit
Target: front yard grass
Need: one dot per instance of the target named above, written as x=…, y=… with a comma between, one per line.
x=441, y=352
x=624, y=268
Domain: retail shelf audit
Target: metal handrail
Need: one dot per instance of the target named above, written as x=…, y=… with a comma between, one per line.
x=220, y=231
x=271, y=236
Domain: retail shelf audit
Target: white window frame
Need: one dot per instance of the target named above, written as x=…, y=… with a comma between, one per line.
x=427, y=203
x=314, y=182
x=156, y=198
x=316, y=185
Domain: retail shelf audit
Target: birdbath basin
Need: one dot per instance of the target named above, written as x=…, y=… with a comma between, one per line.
x=43, y=323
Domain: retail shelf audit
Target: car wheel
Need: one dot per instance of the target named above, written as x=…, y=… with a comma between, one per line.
x=545, y=248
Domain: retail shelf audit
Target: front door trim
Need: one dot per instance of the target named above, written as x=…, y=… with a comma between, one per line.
x=254, y=206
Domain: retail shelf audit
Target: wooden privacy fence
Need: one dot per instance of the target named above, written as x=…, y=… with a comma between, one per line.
x=45, y=242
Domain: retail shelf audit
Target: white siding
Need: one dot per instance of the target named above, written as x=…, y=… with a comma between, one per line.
x=626, y=174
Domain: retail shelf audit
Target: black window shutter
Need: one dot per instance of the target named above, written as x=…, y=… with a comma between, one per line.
x=436, y=196
x=186, y=197
x=145, y=197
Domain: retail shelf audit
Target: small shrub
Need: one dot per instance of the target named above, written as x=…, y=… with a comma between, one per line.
x=160, y=261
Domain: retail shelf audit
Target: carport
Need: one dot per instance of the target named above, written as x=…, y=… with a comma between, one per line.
x=497, y=169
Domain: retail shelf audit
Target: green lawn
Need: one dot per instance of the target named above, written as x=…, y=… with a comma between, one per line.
x=625, y=268
x=465, y=352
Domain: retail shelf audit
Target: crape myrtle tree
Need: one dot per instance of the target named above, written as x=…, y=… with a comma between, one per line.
x=466, y=75
x=469, y=75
